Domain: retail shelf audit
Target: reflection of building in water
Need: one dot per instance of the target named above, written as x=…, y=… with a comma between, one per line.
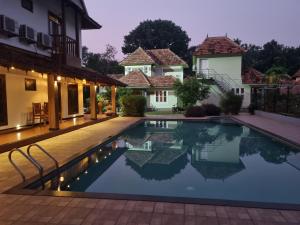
x=220, y=158
x=156, y=146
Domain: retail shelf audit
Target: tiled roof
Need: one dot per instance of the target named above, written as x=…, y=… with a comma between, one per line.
x=162, y=81
x=252, y=76
x=166, y=57
x=213, y=46
x=138, y=57
x=136, y=79
x=297, y=74
x=162, y=57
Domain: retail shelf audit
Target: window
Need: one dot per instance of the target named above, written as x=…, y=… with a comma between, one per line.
x=54, y=24
x=27, y=4
x=237, y=91
x=161, y=96
x=242, y=91
x=145, y=69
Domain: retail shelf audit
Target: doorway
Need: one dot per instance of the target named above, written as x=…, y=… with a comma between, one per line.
x=3, y=101
x=73, y=107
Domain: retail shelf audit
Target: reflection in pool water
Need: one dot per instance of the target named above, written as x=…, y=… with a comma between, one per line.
x=212, y=159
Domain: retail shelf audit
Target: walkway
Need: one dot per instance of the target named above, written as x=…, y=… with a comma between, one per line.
x=288, y=131
x=10, y=140
x=37, y=210
x=64, y=147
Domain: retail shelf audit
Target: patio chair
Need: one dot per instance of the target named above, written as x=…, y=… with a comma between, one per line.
x=37, y=112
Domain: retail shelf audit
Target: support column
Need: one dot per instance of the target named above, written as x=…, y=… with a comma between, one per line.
x=113, y=98
x=93, y=102
x=53, y=103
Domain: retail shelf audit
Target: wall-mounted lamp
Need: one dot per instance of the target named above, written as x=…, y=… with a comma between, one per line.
x=84, y=81
x=58, y=78
x=12, y=68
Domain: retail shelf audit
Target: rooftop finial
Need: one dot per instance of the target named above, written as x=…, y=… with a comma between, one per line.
x=226, y=35
x=206, y=35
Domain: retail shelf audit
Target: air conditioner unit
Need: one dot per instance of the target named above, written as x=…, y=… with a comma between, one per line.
x=27, y=34
x=8, y=26
x=44, y=41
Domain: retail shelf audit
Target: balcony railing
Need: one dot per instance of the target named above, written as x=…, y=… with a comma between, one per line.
x=64, y=45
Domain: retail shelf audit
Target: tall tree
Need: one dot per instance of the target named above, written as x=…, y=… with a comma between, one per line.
x=157, y=34
x=104, y=63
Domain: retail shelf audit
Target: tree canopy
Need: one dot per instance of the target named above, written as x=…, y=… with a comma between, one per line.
x=272, y=57
x=157, y=34
x=104, y=63
x=191, y=91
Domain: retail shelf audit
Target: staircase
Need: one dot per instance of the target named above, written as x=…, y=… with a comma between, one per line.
x=223, y=81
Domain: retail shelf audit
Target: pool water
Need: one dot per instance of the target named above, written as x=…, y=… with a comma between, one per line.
x=200, y=160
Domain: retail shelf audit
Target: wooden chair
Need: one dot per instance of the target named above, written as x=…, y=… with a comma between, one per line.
x=37, y=112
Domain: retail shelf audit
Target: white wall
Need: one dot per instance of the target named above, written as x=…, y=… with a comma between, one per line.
x=171, y=100
x=38, y=20
x=19, y=101
x=175, y=71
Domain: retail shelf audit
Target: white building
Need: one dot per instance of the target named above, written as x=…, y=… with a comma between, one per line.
x=220, y=59
x=40, y=61
x=152, y=73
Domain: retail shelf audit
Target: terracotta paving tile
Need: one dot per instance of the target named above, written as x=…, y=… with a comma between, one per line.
x=237, y=213
x=172, y=219
x=201, y=220
x=156, y=219
x=205, y=210
x=291, y=216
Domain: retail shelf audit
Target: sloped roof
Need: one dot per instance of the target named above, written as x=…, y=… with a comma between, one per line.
x=213, y=46
x=166, y=57
x=136, y=79
x=138, y=57
x=162, y=57
x=162, y=81
x=297, y=74
x=252, y=76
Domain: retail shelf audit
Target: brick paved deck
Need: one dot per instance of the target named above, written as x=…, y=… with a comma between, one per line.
x=30, y=210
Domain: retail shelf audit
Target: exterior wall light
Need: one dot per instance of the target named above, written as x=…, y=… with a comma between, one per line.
x=84, y=81
x=58, y=78
x=12, y=68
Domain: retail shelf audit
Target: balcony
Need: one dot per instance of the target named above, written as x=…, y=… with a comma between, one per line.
x=66, y=50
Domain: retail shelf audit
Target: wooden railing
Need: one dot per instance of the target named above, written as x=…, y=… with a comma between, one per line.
x=65, y=45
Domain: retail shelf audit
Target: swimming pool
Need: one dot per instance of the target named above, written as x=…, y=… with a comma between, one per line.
x=217, y=161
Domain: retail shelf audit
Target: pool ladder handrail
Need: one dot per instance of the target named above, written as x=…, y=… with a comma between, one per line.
x=44, y=151
x=32, y=161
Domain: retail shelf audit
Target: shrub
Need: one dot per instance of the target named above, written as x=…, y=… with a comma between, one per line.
x=231, y=103
x=211, y=110
x=195, y=111
x=133, y=105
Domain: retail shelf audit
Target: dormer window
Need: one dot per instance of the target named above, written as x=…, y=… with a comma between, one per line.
x=145, y=69
x=27, y=4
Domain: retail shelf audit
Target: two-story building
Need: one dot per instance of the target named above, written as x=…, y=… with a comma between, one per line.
x=152, y=73
x=220, y=60
x=40, y=62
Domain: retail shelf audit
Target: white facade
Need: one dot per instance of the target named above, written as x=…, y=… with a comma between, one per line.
x=19, y=101
x=226, y=70
x=38, y=20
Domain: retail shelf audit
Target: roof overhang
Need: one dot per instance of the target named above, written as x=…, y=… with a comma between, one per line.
x=26, y=60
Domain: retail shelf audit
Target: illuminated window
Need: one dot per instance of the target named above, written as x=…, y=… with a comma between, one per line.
x=161, y=96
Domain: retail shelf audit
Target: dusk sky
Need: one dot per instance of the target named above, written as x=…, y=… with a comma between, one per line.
x=252, y=21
